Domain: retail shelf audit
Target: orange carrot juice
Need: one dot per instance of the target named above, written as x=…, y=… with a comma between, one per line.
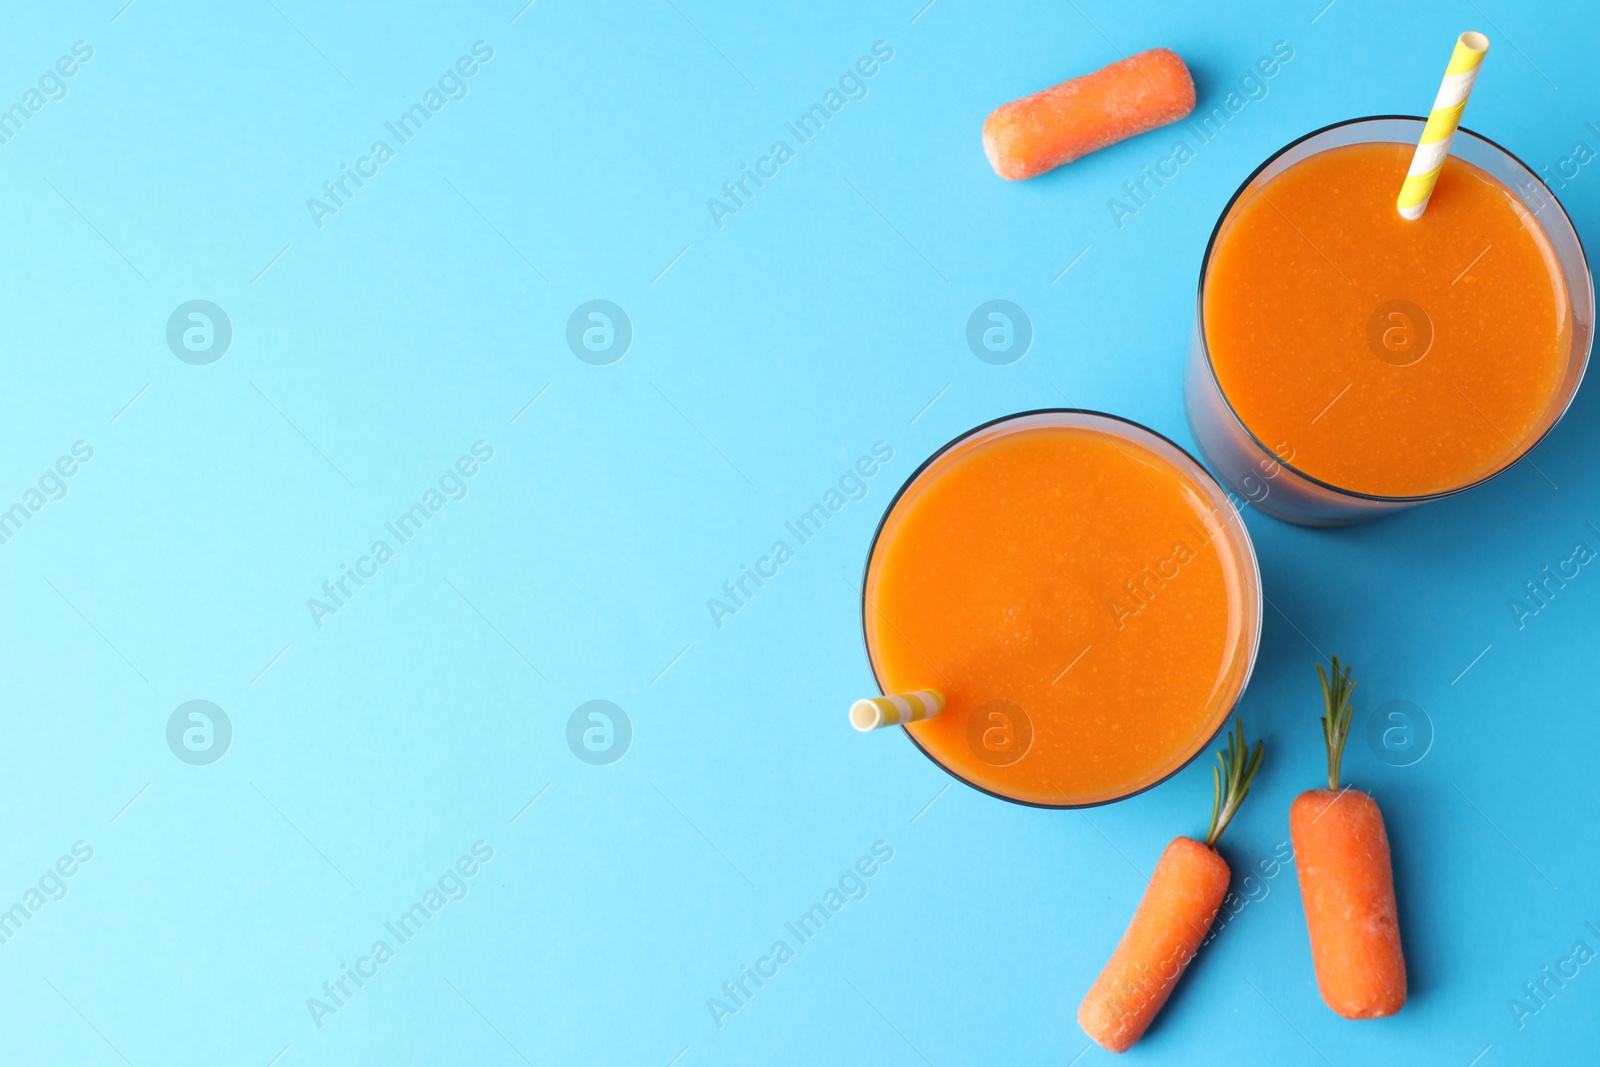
x=1082, y=594
x=1382, y=356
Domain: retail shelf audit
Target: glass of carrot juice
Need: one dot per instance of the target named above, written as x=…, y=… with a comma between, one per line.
x=1346, y=362
x=1081, y=592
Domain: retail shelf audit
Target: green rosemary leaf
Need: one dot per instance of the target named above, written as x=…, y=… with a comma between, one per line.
x=1231, y=782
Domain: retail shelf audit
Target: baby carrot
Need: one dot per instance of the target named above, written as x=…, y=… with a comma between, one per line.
x=1346, y=882
x=1172, y=919
x=1057, y=125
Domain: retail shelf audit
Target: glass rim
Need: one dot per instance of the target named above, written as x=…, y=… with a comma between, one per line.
x=1200, y=320
x=1242, y=539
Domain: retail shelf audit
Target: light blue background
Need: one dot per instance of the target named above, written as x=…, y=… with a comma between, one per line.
x=424, y=716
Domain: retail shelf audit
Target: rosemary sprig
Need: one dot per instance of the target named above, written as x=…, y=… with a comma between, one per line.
x=1239, y=766
x=1336, y=717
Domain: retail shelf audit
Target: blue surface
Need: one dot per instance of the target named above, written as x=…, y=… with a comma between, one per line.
x=429, y=713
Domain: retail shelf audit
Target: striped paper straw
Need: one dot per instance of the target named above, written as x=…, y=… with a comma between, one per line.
x=879, y=712
x=1442, y=122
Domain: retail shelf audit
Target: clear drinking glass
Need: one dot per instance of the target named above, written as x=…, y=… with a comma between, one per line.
x=1270, y=482
x=1015, y=775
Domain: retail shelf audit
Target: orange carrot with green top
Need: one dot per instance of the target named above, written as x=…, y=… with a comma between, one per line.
x=1341, y=852
x=1173, y=918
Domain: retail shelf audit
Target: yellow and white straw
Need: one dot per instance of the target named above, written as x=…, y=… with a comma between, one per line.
x=1442, y=122
x=879, y=712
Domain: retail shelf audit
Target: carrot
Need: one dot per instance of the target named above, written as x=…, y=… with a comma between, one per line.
x=1173, y=917
x=1057, y=125
x=1346, y=882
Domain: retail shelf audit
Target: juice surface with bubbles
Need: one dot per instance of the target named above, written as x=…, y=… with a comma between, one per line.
x=1383, y=356
x=1078, y=600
